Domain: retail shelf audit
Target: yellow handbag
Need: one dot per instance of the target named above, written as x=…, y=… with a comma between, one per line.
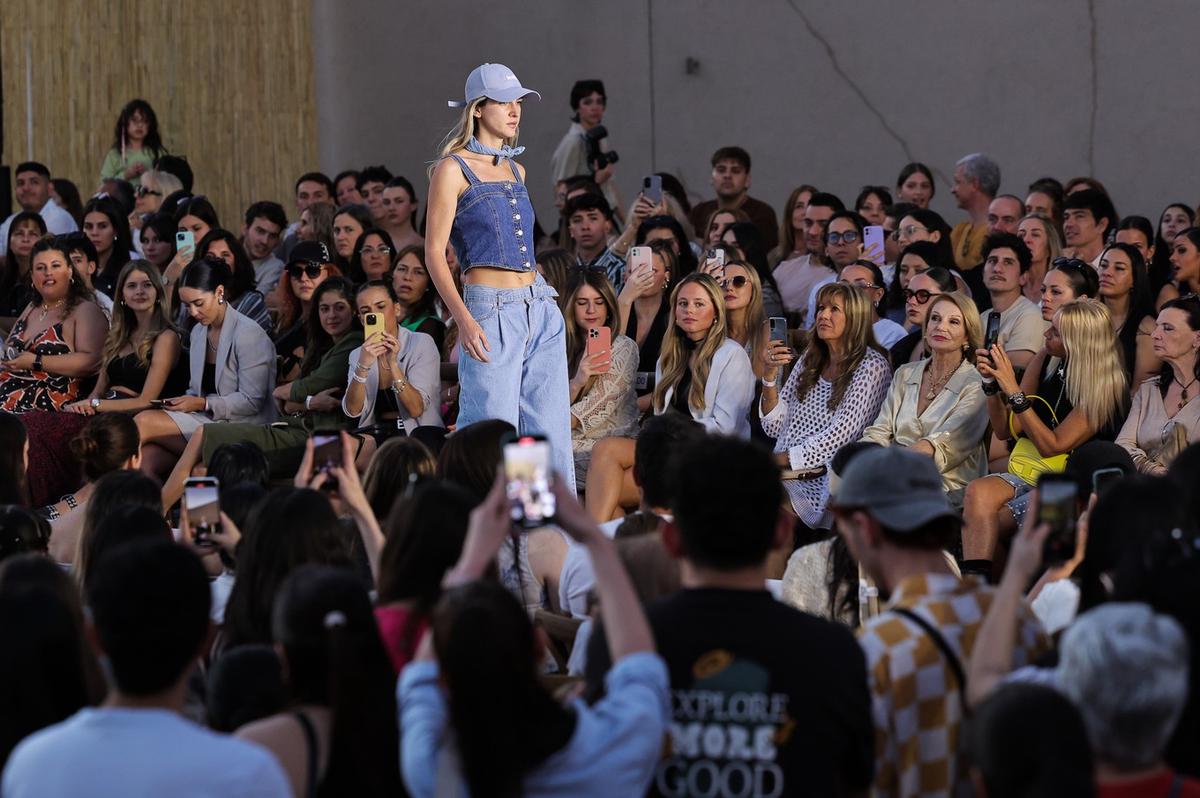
x=1025, y=461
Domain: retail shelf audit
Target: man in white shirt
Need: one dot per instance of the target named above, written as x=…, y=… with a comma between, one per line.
x=149, y=603
x=33, y=194
x=261, y=233
x=1006, y=262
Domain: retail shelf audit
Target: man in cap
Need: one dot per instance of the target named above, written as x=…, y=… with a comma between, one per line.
x=893, y=514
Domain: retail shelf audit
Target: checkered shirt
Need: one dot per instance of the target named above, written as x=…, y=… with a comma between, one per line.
x=915, y=697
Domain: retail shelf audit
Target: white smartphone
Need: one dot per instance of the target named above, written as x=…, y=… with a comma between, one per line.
x=639, y=257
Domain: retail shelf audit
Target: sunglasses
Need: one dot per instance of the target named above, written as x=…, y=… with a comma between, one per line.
x=312, y=269
x=849, y=237
x=922, y=296
x=142, y=191
x=736, y=282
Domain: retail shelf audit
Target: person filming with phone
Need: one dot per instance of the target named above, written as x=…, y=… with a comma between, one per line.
x=1074, y=390
x=394, y=378
x=603, y=365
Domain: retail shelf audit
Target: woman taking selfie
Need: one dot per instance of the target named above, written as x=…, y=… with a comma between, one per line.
x=508, y=323
x=835, y=390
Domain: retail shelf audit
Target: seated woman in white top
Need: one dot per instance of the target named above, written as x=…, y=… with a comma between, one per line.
x=1165, y=416
x=700, y=372
x=936, y=406
x=866, y=276
x=833, y=393
x=603, y=401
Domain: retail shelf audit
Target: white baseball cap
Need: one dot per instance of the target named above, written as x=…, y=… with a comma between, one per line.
x=494, y=81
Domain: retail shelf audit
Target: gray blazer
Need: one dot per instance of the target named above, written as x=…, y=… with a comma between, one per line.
x=419, y=362
x=245, y=374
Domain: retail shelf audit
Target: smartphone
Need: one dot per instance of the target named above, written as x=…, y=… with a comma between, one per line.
x=599, y=339
x=652, y=188
x=1058, y=496
x=327, y=455
x=203, y=508
x=184, y=238
x=873, y=236
x=157, y=404
x=527, y=479
x=778, y=328
x=1103, y=478
x=992, y=335
x=717, y=254
x=640, y=257
x=373, y=324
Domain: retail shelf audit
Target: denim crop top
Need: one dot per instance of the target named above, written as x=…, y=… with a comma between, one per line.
x=493, y=225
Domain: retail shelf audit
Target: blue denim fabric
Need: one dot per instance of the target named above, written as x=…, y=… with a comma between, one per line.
x=525, y=379
x=493, y=225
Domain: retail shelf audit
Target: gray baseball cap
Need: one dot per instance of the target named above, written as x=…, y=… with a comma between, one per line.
x=494, y=81
x=901, y=489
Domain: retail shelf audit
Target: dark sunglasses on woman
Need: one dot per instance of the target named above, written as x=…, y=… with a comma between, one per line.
x=737, y=282
x=312, y=269
x=922, y=296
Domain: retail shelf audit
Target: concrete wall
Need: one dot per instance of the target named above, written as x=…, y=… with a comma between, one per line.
x=833, y=93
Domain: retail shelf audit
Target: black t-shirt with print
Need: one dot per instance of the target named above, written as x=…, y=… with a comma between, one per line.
x=766, y=700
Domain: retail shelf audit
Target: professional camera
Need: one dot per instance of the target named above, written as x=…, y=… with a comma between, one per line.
x=597, y=158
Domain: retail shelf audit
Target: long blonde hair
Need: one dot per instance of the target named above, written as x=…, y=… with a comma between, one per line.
x=753, y=317
x=577, y=338
x=124, y=321
x=457, y=137
x=972, y=324
x=858, y=338
x=673, y=360
x=1096, y=381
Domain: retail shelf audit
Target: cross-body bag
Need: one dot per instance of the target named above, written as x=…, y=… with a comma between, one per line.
x=1025, y=461
x=948, y=654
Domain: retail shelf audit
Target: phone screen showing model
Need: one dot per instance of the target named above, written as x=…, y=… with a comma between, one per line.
x=527, y=479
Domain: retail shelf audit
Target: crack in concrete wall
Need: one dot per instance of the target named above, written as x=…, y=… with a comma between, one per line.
x=862, y=95
x=1091, y=150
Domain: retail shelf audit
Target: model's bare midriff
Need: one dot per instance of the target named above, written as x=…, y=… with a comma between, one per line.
x=498, y=278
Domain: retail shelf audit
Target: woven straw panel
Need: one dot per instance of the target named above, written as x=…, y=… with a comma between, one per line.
x=230, y=81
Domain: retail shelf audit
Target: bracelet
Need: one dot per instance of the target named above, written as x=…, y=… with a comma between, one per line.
x=308, y=402
x=991, y=388
x=362, y=368
x=769, y=383
x=357, y=378
x=399, y=384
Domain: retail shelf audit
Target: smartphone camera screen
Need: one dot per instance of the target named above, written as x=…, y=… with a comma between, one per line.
x=203, y=510
x=1057, y=507
x=528, y=481
x=327, y=455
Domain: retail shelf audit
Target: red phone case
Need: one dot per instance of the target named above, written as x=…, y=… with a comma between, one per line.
x=599, y=339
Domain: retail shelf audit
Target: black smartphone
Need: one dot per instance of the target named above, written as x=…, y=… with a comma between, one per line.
x=1103, y=478
x=327, y=455
x=992, y=335
x=203, y=508
x=778, y=329
x=528, y=480
x=1058, y=506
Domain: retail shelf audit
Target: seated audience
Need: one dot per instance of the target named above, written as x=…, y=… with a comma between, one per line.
x=1125, y=291
x=232, y=367
x=241, y=294
x=645, y=307
x=601, y=386
x=920, y=289
x=56, y=342
x=744, y=315
x=106, y=225
x=416, y=295
x=791, y=227
x=1165, y=416
x=483, y=649
x=867, y=277
x=373, y=256
x=1088, y=216
x=831, y=395
x=349, y=223
x=1045, y=247
x=399, y=463
x=744, y=236
x=24, y=232
x=261, y=232
x=338, y=734
x=149, y=605
x=1006, y=264
x=892, y=511
x=712, y=636
x=701, y=374
x=158, y=240
x=308, y=266
x=936, y=407
x=1077, y=391
x=797, y=277
x=1068, y=279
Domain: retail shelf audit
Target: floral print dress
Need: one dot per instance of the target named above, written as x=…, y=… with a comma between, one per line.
x=23, y=391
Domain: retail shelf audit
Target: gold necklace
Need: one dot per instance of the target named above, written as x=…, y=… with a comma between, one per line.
x=936, y=384
x=45, y=311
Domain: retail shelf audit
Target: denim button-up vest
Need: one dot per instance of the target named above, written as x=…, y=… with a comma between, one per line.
x=493, y=225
